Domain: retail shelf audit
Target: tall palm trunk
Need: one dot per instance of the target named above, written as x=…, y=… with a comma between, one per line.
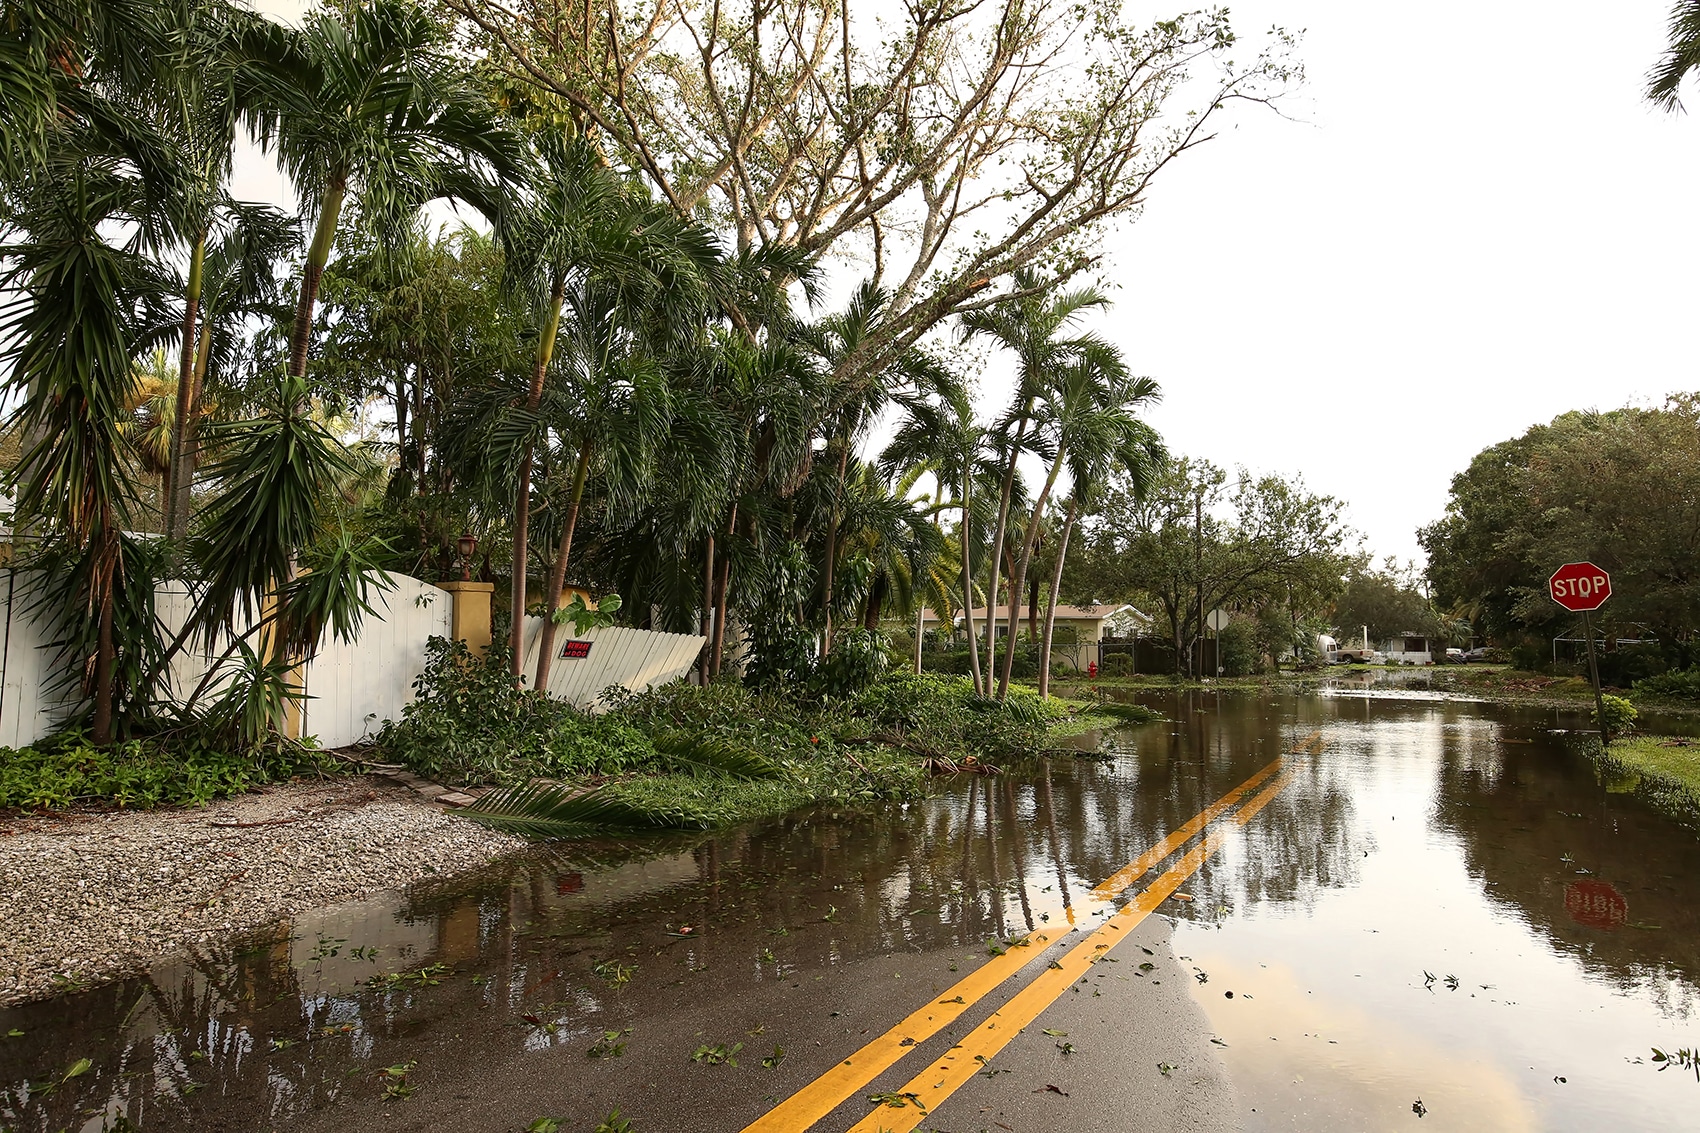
x=176, y=515
x=1004, y=499
x=832, y=551
x=1027, y=544
x=968, y=586
x=318, y=255
x=707, y=622
x=558, y=572
x=717, y=646
x=191, y=430
x=1051, y=603
x=522, y=490
x=106, y=570
x=920, y=628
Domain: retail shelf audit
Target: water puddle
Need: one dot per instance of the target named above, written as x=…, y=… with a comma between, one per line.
x=1445, y=911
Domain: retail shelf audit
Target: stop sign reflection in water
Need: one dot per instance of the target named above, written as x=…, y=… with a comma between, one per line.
x=1579, y=587
x=1595, y=904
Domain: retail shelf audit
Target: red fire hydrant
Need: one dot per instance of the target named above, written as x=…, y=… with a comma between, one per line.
x=1092, y=669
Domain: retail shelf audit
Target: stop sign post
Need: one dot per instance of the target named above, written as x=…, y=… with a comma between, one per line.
x=1583, y=588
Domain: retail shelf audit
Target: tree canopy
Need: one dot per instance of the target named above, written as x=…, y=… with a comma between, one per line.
x=1619, y=488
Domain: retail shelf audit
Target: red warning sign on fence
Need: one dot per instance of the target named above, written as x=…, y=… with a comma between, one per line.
x=575, y=650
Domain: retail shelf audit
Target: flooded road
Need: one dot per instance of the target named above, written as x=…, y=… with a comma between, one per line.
x=1436, y=917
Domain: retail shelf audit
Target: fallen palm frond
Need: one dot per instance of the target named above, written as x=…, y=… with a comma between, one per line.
x=543, y=809
x=715, y=754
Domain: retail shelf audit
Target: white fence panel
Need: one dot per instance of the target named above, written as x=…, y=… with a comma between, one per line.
x=353, y=688
x=637, y=659
x=28, y=706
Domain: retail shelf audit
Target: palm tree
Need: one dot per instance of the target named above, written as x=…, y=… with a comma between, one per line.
x=70, y=341
x=372, y=106
x=574, y=229
x=1030, y=325
x=1123, y=443
x=237, y=281
x=193, y=105
x=1681, y=58
x=610, y=414
x=941, y=436
x=1091, y=406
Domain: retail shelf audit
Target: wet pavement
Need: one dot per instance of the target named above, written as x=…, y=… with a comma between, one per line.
x=1433, y=915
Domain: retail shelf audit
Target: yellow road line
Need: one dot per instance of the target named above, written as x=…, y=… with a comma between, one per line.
x=820, y=1097
x=932, y=1086
x=1138, y=867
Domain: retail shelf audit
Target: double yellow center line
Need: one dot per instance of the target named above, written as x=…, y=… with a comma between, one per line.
x=811, y=1103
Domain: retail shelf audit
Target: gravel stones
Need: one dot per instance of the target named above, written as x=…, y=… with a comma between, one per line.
x=89, y=897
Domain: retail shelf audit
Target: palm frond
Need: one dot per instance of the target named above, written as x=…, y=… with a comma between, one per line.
x=716, y=755
x=545, y=809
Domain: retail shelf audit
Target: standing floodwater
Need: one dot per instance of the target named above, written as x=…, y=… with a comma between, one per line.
x=1444, y=917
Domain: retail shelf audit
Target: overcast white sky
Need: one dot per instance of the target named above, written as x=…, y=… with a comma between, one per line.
x=1476, y=224
x=1479, y=226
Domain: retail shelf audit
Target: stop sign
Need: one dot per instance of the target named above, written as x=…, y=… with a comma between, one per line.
x=1579, y=587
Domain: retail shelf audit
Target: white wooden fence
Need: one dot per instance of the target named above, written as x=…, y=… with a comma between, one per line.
x=27, y=705
x=352, y=688
x=587, y=663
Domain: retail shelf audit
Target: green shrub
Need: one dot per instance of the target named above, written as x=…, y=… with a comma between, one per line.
x=1117, y=665
x=1241, y=656
x=857, y=660
x=1620, y=715
x=141, y=773
x=470, y=723
x=1683, y=684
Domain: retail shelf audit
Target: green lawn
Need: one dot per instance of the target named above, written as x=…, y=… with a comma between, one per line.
x=1668, y=768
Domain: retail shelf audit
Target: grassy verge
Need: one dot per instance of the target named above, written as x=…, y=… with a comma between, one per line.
x=1664, y=770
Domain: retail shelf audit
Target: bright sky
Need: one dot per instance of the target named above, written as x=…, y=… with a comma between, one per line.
x=1475, y=225
x=1478, y=225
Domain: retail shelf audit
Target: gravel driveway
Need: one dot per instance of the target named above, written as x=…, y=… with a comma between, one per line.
x=89, y=897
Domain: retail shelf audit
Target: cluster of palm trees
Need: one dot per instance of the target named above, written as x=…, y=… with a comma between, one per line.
x=625, y=403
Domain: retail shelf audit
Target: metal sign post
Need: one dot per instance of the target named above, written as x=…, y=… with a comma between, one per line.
x=1583, y=588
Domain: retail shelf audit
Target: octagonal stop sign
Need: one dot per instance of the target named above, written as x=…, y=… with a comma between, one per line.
x=1580, y=587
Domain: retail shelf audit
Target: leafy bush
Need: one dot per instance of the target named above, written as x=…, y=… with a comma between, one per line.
x=1240, y=654
x=1117, y=665
x=1620, y=715
x=1683, y=684
x=470, y=723
x=141, y=773
x=857, y=660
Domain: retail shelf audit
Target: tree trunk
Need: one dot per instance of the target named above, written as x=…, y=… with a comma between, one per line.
x=183, y=489
x=105, y=654
x=707, y=606
x=318, y=254
x=1051, y=604
x=177, y=525
x=997, y=553
x=1033, y=609
x=522, y=493
x=718, y=645
x=968, y=587
x=832, y=553
x=920, y=628
x=871, y=609
x=558, y=572
x=1027, y=543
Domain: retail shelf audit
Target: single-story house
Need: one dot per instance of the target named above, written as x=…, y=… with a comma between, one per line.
x=1091, y=624
x=1407, y=649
